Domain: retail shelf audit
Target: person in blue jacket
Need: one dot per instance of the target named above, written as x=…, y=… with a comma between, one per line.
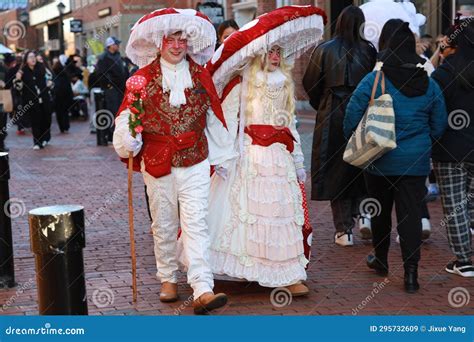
x=399, y=175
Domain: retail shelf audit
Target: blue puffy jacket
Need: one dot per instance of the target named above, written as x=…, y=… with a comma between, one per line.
x=418, y=120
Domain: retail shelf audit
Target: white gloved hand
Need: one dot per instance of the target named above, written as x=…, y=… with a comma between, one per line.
x=301, y=175
x=221, y=172
x=132, y=144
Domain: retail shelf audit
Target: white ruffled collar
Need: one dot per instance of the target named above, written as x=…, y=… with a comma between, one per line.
x=274, y=79
x=176, y=78
x=174, y=67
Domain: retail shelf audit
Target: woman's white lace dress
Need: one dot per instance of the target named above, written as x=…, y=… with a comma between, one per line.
x=256, y=215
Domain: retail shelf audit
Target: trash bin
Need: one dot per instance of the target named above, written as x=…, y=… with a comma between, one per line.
x=102, y=118
x=57, y=239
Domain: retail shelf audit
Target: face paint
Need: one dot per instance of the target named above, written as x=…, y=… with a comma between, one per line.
x=273, y=58
x=174, y=48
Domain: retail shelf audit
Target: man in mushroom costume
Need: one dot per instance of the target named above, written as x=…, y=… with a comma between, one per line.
x=181, y=115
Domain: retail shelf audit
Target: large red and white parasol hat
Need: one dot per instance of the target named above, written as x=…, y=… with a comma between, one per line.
x=293, y=28
x=147, y=34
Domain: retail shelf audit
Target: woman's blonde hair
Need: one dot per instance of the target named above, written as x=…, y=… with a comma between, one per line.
x=260, y=63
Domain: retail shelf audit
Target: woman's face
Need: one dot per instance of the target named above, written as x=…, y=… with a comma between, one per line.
x=227, y=32
x=445, y=48
x=78, y=61
x=273, y=58
x=39, y=59
x=31, y=59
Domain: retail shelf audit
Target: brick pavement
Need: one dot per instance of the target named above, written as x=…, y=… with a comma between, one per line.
x=73, y=170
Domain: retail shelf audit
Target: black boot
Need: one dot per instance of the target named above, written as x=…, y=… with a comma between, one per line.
x=380, y=267
x=411, y=279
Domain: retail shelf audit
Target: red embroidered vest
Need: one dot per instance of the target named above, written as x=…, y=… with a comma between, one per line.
x=164, y=120
x=175, y=136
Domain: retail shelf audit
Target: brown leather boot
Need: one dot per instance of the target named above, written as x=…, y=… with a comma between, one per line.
x=298, y=289
x=209, y=301
x=169, y=292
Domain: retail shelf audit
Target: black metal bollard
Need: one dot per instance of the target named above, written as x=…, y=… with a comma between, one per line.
x=57, y=239
x=7, y=269
x=101, y=117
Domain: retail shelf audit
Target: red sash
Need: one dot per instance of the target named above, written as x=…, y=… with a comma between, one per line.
x=266, y=135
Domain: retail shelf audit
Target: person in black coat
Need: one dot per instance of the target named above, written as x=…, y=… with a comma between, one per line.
x=30, y=81
x=335, y=69
x=19, y=118
x=63, y=96
x=453, y=154
x=113, y=74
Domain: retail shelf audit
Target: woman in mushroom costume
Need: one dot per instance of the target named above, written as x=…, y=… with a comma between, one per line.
x=255, y=206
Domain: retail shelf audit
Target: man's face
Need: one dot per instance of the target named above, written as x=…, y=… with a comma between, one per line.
x=113, y=48
x=174, y=48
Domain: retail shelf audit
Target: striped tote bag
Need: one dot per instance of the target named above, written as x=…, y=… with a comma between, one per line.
x=375, y=134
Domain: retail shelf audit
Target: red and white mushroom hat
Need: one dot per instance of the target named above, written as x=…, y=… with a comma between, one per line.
x=293, y=28
x=147, y=34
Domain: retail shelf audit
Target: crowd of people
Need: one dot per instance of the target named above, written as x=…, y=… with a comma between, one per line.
x=255, y=207
x=62, y=86
x=426, y=81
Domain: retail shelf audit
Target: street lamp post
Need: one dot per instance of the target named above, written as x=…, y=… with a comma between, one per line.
x=61, y=8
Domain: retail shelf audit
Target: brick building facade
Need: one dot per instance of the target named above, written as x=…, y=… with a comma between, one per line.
x=103, y=18
x=15, y=32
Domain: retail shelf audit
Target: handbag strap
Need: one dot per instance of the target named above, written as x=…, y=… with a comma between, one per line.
x=376, y=82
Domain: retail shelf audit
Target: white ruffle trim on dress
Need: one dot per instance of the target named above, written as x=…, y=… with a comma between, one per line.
x=268, y=274
x=272, y=190
x=274, y=158
x=275, y=235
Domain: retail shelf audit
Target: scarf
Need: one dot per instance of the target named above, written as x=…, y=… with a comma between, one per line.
x=401, y=64
x=176, y=78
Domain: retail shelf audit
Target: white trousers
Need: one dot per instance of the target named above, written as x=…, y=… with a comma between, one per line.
x=180, y=199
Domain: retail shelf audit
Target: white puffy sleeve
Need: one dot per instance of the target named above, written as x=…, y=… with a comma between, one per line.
x=121, y=128
x=297, y=153
x=222, y=142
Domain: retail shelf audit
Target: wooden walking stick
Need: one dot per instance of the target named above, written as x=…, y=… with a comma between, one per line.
x=132, y=229
x=136, y=91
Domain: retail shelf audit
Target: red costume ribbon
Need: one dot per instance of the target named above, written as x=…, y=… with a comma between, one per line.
x=266, y=135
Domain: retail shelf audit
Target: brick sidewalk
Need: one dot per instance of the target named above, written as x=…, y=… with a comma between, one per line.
x=73, y=170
